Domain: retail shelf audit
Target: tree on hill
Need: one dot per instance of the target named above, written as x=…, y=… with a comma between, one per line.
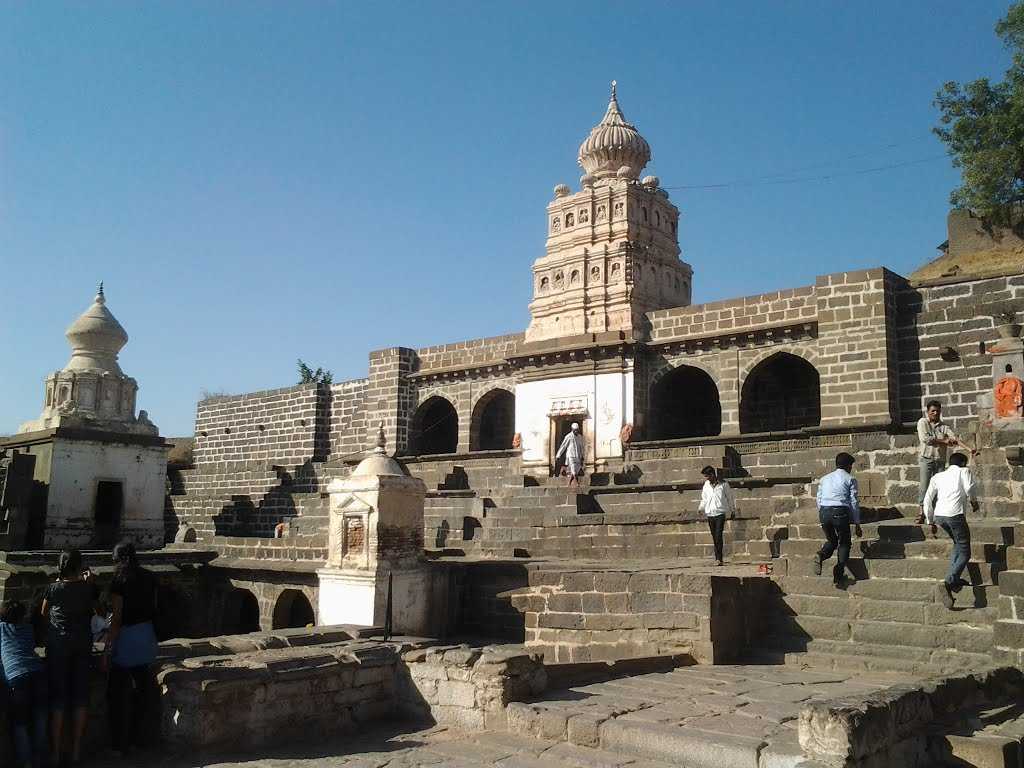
x=308, y=376
x=982, y=126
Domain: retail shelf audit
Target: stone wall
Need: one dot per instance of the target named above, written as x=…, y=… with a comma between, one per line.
x=468, y=687
x=842, y=326
x=281, y=426
x=349, y=427
x=940, y=326
x=474, y=352
x=271, y=696
x=579, y=615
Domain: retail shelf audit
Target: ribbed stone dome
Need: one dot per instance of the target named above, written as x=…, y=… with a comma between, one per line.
x=614, y=143
x=95, y=338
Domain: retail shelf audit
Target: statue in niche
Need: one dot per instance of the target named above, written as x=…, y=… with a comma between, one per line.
x=618, y=209
x=602, y=213
x=543, y=285
x=616, y=270
x=1008, y=397
x=574, y=277
x=556, y=224
x=559, y=279
x=595, y=273
x=569, y=220
x=584, y=216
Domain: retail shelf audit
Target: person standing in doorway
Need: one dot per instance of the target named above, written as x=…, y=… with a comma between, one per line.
x=945, y=506
x=838, y=506
x=68, y=606
x=934, y=439
x=131, y=650
x=575, y=454
x=716, y=502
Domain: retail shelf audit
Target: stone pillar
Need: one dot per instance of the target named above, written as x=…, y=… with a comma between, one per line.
x=376, y=531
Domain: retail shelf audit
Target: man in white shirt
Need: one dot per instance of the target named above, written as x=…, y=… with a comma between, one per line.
x=575, y=454
x=945, y=505
x=716, y=501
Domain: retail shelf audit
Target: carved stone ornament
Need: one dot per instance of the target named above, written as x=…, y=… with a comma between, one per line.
x=517, y=440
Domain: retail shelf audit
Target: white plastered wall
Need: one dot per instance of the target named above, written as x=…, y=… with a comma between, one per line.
x=606, y=397
x=78, y=467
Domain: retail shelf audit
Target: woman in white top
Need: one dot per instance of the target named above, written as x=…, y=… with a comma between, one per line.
x=716, y=501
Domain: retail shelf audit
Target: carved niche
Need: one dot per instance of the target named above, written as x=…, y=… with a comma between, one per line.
x=348, y=536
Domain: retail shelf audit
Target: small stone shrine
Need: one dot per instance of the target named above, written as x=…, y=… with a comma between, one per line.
x=99, y=470
x=375, y=536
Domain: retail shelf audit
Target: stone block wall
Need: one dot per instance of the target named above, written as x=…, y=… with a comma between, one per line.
x=958, y=316
x=585, y=615
x=464, y=393
x=388, y=400
x=843, y=326
x=733, y=316
x=281, y=426
x=854, y=355
x=349, y=427
x=474, y=352
x=273, y=695
x=467, y=687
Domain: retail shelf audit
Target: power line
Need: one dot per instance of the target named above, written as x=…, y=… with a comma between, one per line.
x=769, y=181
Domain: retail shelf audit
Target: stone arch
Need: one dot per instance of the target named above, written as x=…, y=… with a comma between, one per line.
x=241, y=613
x=493, y=422
x=434, y=427
x=684, y=402
x=780, y=391
x=292, y=610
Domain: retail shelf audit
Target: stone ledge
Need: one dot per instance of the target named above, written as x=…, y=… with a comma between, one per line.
x=845, y=731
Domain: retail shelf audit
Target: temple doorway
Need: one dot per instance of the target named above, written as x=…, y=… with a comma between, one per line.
x=561, y=426
x=107, y=512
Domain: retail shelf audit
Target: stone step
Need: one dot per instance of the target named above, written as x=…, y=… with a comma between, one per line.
x=908, y=590
x=880, y=549
x=960, y=637
x=864, y=658
x=995, y=531
x=933, y=569
x=970, y=609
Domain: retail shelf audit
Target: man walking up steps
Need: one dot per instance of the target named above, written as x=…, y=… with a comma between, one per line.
x=945, y=506
x=838, y=506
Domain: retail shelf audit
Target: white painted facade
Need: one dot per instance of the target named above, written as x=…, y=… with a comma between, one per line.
x=602, y=404
x=78, y=467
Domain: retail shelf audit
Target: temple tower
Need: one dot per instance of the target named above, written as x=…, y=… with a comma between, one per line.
x=99, y=470
x=612, y=250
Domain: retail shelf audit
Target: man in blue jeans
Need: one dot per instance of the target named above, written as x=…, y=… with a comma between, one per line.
x=838, y=506
x=945, y=505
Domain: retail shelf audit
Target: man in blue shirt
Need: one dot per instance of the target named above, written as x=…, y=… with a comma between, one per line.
x=838, y=506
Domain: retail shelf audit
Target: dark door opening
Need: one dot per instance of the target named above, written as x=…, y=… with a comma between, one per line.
x=107, y=513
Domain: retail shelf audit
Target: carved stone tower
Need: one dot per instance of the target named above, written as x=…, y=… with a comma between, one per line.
x=612, y=251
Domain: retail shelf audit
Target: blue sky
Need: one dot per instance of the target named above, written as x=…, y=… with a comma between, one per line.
x=258, y=182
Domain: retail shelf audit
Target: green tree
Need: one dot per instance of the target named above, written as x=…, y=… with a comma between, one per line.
x=982, y=126
x=308, y=376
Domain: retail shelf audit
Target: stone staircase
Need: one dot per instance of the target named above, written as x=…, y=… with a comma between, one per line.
x=892, y=617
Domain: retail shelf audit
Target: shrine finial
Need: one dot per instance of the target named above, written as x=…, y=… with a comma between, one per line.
x=382, y=441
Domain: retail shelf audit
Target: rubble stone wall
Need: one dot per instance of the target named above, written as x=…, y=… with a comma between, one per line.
x=468, y=687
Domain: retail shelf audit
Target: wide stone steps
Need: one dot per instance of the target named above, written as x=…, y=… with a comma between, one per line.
x=864, y=657
x=867, y=568
x=879, y=549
